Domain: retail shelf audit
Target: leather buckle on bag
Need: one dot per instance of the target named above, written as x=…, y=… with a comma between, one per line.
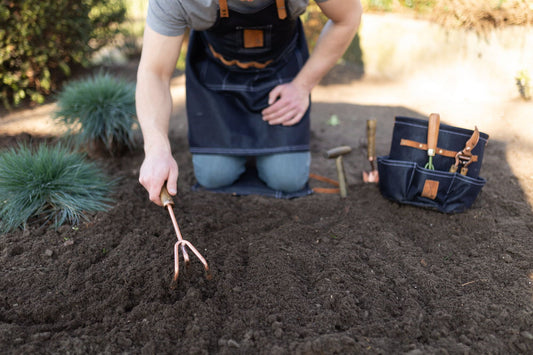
x=464, y=157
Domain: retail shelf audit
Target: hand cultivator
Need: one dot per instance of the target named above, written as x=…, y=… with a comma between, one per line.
x=167, y=201
x=433, y=138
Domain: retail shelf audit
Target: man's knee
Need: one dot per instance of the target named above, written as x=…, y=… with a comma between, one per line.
x=214, y=171
x=288, y=183
x=288, y=172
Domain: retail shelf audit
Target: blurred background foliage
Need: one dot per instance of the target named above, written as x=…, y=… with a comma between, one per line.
x=42, y=42
x=477, y=15
x=480, y=16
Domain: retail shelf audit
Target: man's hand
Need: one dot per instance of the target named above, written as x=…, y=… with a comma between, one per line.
x=287, y=105
x=157, y=169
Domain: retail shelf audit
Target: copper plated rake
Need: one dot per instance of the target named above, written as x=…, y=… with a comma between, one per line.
x=167, y=201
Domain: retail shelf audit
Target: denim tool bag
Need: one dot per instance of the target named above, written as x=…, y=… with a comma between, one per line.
x=432, y=165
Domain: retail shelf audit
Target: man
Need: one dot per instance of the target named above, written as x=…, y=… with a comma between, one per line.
x=248, y=83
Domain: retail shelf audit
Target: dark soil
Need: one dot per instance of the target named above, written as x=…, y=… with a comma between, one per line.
x=312, y=275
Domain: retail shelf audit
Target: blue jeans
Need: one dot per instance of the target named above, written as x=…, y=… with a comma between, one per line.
x=286, y=172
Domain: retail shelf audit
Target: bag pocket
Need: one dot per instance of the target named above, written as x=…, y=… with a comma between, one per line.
x=409, y=183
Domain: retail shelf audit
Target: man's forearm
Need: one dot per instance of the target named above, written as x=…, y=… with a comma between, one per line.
x=154, y=102
x=154, y=106
x=335, y=38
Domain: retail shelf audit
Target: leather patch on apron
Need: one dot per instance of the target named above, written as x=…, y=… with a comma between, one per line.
x=431, y=187
x=253, y=38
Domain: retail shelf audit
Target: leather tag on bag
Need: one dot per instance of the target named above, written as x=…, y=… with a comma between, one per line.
x=431, y=187
x=253, y=38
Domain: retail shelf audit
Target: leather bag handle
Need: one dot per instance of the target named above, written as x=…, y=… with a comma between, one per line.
x=433, y=133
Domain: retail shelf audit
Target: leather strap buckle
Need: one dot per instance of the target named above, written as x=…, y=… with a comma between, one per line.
x=465, y=157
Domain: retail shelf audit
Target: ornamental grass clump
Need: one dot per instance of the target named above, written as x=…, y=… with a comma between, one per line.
x=99, y=114
x=49, y=185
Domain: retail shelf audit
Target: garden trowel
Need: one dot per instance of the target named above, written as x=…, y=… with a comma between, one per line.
x=372, y=175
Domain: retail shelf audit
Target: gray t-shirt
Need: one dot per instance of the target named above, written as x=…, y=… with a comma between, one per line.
x=173, y=17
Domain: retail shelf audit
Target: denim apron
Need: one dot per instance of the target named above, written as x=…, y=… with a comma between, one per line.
x=231, y=68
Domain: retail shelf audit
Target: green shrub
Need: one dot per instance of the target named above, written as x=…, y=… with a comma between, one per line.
x=49, y=185
x=41, y=42
x=99, y=109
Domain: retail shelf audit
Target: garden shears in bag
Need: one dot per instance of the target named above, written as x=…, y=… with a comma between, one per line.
x=465, y=157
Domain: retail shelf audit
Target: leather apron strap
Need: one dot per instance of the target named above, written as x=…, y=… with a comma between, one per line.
x=282, y=11
x=223, y=4
x=280, y=5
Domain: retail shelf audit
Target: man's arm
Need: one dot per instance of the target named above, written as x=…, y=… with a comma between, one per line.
x=154, y=105
x=289, y=102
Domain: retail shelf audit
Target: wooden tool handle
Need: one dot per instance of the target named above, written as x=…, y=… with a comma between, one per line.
x=165, y=197
x=371, y=138
x=433, y=133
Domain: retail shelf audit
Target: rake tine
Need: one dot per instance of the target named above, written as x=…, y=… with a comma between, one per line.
x=176, y=261
x=178, y=235
x=184, y=243
x=167, y=201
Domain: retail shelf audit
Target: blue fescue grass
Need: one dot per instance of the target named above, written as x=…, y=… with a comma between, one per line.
x=100, y=107
x=49, y=185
